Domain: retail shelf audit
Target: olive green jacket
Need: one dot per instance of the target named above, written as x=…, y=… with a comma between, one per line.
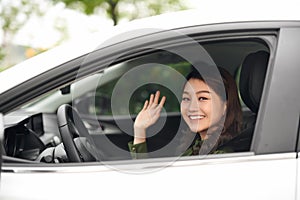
x=140, y=150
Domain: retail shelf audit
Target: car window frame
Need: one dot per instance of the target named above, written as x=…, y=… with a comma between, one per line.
x=68, y=71
x=269, y=137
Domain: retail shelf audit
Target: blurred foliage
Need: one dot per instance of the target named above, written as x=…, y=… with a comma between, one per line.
x=31, y=52
x=13, y=16
x=130, y=9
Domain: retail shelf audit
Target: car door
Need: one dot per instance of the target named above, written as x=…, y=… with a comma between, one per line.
x=253, y=174
x=1, y=138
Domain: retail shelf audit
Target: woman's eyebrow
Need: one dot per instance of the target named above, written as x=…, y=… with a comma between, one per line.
x=202, y=91
x=198, y=92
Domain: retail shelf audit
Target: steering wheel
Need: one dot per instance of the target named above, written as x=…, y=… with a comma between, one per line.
x=77, y=142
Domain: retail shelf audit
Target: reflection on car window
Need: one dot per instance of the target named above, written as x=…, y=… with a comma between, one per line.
x=229, y=55
x=108, y=102
x=104, y=92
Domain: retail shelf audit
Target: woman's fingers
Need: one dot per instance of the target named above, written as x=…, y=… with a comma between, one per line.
x=156, y=98
x=151, y=100
x=162, y=101
x=160, y=105
x=145, y=105
x=154, y=101
x=150, y=112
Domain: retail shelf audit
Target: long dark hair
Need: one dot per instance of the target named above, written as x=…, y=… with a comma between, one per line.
x=233, y=117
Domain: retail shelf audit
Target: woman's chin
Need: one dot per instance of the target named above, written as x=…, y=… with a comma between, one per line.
x=196, y=129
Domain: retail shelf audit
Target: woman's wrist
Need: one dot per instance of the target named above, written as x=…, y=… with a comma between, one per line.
x=139, y=135
x=139, y=140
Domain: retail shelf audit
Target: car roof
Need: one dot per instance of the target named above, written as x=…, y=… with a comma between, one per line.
x=209, y=14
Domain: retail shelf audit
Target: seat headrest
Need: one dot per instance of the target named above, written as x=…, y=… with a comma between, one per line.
x=252, y=78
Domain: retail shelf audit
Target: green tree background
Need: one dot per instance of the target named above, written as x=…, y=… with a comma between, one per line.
x=131, y=9
x=15, y=14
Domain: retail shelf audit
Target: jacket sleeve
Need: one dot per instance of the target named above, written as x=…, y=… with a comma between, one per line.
x=224, y=150
x=138, y=151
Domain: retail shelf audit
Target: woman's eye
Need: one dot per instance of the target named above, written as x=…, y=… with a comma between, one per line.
x=202, y=98
x=185, y=99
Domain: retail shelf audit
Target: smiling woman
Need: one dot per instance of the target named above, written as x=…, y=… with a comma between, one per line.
x=213, y=116
x=208, y=111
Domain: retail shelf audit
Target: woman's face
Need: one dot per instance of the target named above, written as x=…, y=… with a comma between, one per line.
x=201, y=107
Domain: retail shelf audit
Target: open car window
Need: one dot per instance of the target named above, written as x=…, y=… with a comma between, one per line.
x=108, y=103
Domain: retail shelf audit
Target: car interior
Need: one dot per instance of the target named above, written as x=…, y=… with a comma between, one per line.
x=91, y=119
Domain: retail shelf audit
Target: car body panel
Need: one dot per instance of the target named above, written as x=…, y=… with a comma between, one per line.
x=278, y=117
x=160, y=179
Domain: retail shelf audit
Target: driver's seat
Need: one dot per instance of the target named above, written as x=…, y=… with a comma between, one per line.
x=252, y=78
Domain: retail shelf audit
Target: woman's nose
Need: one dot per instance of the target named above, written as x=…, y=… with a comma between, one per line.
x=194, y=105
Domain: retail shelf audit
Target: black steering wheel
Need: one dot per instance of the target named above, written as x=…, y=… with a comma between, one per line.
x=77, y=142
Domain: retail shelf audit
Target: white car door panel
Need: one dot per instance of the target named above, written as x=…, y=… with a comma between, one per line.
x=248, y=177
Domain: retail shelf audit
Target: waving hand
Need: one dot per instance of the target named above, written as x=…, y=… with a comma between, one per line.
x=148, y=116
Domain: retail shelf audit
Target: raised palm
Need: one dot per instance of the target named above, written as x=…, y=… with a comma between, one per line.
x=150, y=112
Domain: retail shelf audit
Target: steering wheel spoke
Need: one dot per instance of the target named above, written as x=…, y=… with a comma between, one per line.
x=77, y=142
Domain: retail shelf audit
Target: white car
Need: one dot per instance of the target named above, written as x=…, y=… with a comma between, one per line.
x=107, y=77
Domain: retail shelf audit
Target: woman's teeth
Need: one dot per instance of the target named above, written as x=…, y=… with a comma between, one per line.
x=196, y=117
